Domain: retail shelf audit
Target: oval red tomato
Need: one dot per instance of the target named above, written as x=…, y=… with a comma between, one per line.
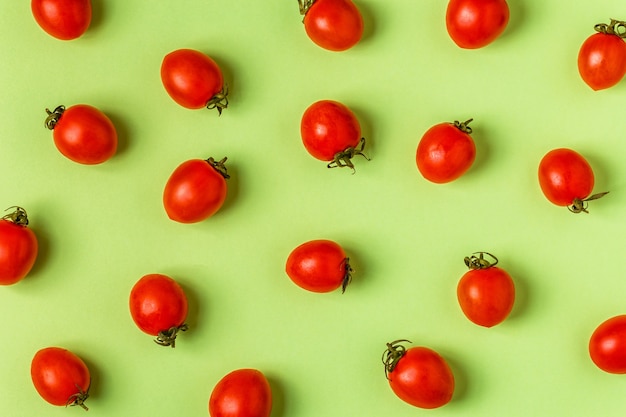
x=331, y=132
x=335, y=25
x=196, y=190
x=194, y=80
x=62, y=19
x=18, y=247
x=445, y=152
x=418, y=375
x=60, y=377
x=319, y=266
x=158, y=306
x=476, y=23
x=82, y=133
x=241, y=393
x=486, y=293
x=566, y=179
x=602, y=57
x=607, y=345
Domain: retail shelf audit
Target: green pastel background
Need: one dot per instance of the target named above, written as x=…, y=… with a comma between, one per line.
x=103, y=227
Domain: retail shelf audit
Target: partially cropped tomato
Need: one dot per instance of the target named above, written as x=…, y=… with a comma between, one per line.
x=418, y=375
x=335, y=25
x=566, y=179
x=241, y=393
x=331, y=132
x=60, y=377
x=319, y=266
x=82, y=133
x=476, y=23
x=62, y=19
x=445, y=152
x=602, y=57
x=18, y=247
x=486, y=293
x=607, y=345
x=158, y=306
x=196, y=190
x=194, y=80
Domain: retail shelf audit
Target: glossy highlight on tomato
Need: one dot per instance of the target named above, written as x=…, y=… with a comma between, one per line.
x=602, y=57
x=335, y=25
x=62, y=19
x=607, y=345
x=241, y=393
x=474, y=24
x=18, y=246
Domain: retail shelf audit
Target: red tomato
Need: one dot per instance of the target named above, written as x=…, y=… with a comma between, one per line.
x=319, y=266
x=607, y=346
x=419, y=375
x=196, y=190
x=476, y=23
x=18, y=247
x=194, y=80
x=158, y=307
x=82, y=133
x=62, y=19
x=241, y=393
x=566, y=179
x=331, y=132
x=486, y=293
x=602, y=57
x=60, y=377
x=445, y=152
x=335, y=25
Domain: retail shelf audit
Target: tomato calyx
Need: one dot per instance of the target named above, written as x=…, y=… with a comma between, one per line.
x=18, y=216
x=54, y=116
x=219, y=101
x=479, y=262
x=219, y=166
x=305, y=5
x=395, y=351
x=463, y=126
x=347, y=278
x=581, y=205
x=344, y=158
x=78, y=399
x=615, y=27
x=168, y=337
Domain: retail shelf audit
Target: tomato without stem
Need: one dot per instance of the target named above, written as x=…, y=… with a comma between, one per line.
x=62, y=19
x=336, y=25
x=60, y=377
x=18, y=247
x=241, y=393
x=602, y=57
x=476, y=23
x=607, y=345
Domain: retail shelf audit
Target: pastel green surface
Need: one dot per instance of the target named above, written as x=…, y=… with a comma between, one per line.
x=103, y=227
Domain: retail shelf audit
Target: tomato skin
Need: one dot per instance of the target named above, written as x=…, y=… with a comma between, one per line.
x=607, y=345
x=565, y=175
x=486, y=296
x=62, y=19
x=602, y=60
x=18, y=248
x=335, y=25
x=319, y=266
x=241, y=393
x=474, y=24
x=60, y=377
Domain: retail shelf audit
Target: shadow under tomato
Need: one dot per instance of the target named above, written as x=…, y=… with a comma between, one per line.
x=43, y=249
x=123, y=132
x=98, y=14
x=516, y=17
x=278, y=396
x=521, y=292
x=364, y=119
x=97, y=380
x=233, y=187
x=369, y=23
x=461, y=385
x=193, y=312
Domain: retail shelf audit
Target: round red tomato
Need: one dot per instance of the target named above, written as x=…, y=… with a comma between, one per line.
x=82, y=133
x=602, y=57
x=241, y=393
x=331, y=132
x=486, y=293
x=607, y=346
x=18, y=247
x=196, y=190
x=158, y=306
x=419, y=375
x=194, y=80
x=62, y=19
x=476, y=23
x=335, y=25
x=319, y=266
x=60, y=377
x=566, y=179
x=445, y=152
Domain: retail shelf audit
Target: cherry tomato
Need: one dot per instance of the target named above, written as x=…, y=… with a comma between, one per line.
x=602, y=57
x=486, y=293
x=335, y=25
x=418, y=375
x=18, y=247
x=158, y=306
x=566, y=179
x=241, y=393
x=476, y=23
x=331, y=132
x=194, y=80
x=445, y=152
x=196, y=190
x=82, y=133
x=607, y=345
x=319, y=266
x=62, y=19
x=60, y=377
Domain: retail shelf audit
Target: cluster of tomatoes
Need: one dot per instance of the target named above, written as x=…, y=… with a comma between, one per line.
x=330, y=132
